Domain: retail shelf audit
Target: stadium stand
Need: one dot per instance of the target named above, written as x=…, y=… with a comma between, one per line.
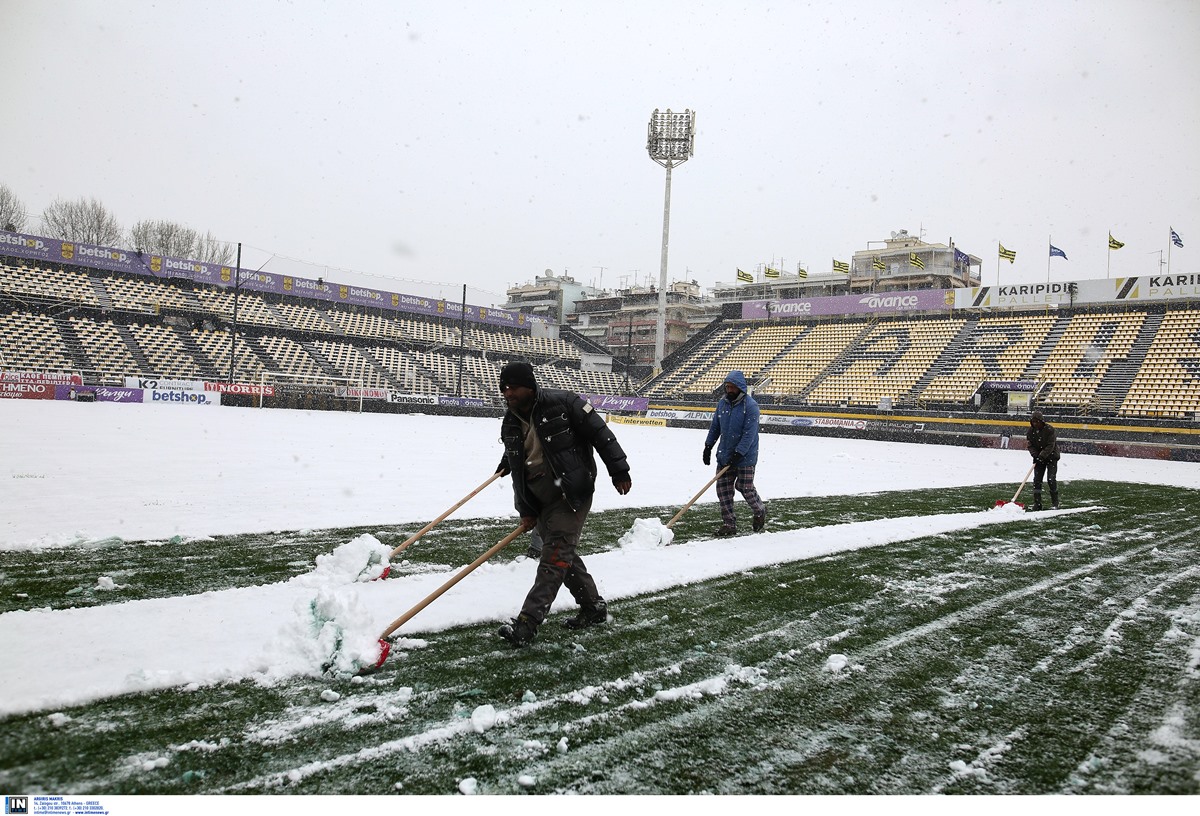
x=1121, y=360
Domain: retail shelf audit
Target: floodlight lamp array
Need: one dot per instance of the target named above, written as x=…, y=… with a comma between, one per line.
x=671, y=137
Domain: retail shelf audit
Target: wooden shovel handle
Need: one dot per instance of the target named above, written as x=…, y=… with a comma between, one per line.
x=463, y=573
x=698, y=495
x=1021, y=486
x=412, y=539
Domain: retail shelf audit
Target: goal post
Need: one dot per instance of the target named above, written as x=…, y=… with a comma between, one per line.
x=321, y=382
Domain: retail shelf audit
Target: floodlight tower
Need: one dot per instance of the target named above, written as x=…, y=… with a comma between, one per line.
x=671, y=140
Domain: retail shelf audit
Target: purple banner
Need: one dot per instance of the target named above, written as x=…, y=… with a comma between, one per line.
x=101, y=393
x=605, y=402
x=52, y=250
x=875, y=303
x=462, y=402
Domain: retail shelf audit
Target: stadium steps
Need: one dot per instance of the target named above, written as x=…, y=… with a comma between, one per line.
x=1033, y=371
x=80, y=359
x=208, y=369
x=102, y=297
x=946, y=363
x=1118, y=381
x=321, y=360
x=135, y=350
x=764, y=375
x=384, y=373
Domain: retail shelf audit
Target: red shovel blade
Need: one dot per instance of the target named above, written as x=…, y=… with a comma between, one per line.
x=1002, y=502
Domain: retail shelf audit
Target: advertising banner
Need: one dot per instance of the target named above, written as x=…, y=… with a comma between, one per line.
x=462, y=402
x=605, y=402
x=257, y=389
x=51, y=377
x=100, y=393
x=624, y=420
x=52, y=250
x=351, y=391
x=27, y=390
x=159, y=396
x=412, y=399
x=171, y=385
x=922, y=300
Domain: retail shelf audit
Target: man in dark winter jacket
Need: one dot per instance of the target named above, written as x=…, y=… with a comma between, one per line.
x=549, y=436
x=1043, y=447
x=735, y=423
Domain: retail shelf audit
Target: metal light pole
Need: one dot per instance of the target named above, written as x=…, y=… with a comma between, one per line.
x=671, y=140
x=237, y=285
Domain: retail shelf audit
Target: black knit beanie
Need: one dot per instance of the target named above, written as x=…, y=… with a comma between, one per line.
x=518, y=373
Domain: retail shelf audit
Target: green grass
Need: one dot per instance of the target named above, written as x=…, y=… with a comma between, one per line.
x=1028, y=658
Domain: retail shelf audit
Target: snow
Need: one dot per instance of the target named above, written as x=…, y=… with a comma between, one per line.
x=82, y=474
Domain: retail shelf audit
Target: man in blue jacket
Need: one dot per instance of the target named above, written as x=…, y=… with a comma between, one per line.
x=735, y=423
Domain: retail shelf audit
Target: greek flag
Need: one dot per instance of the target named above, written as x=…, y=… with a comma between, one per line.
x=1175, y=239
x=1055, y=251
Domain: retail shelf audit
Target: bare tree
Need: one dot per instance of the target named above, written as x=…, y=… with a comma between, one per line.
x=86, y=221
x=178, y=241
x=210, y=250
x=164, y=238
x=12, y=211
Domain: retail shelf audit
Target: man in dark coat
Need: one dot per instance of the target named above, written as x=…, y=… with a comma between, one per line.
x=1042, y=440
x=549, y=436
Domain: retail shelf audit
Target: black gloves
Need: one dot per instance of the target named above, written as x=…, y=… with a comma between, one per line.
x=707, y=455
x=735, y=459
x=503, y=469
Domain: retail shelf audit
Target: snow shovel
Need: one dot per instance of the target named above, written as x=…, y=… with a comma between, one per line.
x=1020, y=487
x=385, y=645
x=419, y=533
x=702, y=491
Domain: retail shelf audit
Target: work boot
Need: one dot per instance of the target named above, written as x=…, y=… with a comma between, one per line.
x=588, y=617
x=760, y=519
x=1054, y=499
x=725, y=531
x=520, y=632
x=1037, y=501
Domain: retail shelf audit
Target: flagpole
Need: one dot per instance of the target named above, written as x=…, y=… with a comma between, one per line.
x=1049, y=243
x=1170, y=230
x=1108, y=268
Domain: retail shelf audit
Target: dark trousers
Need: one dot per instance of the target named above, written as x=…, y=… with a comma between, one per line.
x=1050, y=471
x=559, y=526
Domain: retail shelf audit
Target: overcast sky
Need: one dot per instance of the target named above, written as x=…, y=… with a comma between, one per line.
x=481, y=143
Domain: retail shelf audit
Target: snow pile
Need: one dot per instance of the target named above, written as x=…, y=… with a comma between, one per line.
x=330, y=633
x=362, y=559
x=646, y=534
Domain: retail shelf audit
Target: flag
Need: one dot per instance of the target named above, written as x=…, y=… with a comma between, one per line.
x=913, y=260
x=1113, y=243
x=1175, y=239
x=745, y=277
x=1009, y=255
x=877, y=263
x=841, y=266
x=961, y=259
x=772, y=273
x=1056, y=251
x=801, y=272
